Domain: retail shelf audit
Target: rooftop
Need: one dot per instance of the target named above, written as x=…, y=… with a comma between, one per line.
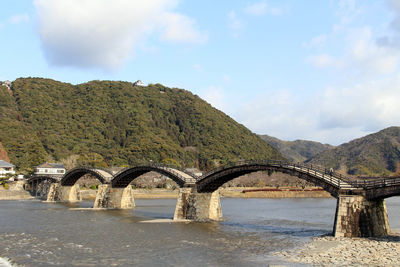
x=4, y=163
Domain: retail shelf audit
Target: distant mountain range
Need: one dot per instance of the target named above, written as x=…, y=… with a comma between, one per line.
x=374, y=154
x=296, y=151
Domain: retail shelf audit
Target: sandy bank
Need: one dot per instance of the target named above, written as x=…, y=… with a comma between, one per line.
x=331, y=251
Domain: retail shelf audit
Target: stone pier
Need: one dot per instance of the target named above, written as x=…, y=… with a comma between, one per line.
x=54, y=190
x=60, y=193
x=195, y=206
x=358, y=217
x=114, y=198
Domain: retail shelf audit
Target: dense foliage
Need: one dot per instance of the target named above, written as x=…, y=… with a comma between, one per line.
x=107, y=123
x=296, y=151
x=374, y=154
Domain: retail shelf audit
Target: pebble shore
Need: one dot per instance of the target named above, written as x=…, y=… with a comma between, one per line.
x=340, y=251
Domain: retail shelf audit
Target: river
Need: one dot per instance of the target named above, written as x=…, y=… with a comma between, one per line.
x=33, y=233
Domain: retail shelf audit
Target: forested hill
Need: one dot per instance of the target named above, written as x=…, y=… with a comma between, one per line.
x=374, y=154
x=107, y=123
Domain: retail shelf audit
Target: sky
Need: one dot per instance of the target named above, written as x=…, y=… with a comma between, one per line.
x=320, y=70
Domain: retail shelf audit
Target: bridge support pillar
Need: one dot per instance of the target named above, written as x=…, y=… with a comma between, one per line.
x=68, y=193
x=358, y=217
x=53, y=194
x=114, y=198
x=195, y=206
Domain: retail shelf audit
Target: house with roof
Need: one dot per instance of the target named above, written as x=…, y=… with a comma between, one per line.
x=51, y=169
x=6, y=168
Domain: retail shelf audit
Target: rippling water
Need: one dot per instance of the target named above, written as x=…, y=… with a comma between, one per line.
x=33, y=233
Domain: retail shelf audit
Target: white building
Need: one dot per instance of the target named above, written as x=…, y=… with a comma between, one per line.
x=139, y=83
x=6, y=168
x=50, y=169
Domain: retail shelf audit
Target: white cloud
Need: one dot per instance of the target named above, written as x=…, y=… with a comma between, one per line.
x=103, y=33
x=362, y=55
x=316, y=42
x=235, y=24
x=256, y=9
x=362, y=99
x=321, y=60
x=336, y=115
x=262, y=8
x=371, y=105
x=180, y=28
x=18, y=18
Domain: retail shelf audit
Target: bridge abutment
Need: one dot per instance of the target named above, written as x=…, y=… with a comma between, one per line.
x=195, y=206
x=114, y=198
x=358, y=217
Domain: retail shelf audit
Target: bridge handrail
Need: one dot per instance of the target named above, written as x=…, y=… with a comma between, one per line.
x=379, y=182
x=91, y=168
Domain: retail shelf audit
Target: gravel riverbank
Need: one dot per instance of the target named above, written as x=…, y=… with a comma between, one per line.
x=332, y=251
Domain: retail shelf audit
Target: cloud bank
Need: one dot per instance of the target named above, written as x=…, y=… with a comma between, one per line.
x=361, y=99
x=104, y=33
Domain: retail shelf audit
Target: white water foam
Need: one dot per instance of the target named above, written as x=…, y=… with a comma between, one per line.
x=5, y=263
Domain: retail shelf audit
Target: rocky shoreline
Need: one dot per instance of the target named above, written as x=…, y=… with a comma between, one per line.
x=341, y=251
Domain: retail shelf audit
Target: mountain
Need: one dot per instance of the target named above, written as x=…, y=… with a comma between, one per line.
x=374, y=154
x=107, y=123
x=296, y=151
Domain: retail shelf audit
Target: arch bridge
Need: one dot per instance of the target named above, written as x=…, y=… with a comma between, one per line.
x=361, y=209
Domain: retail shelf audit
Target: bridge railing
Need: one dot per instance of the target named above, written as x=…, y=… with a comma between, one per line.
x=236, y=164
x=333, y=178
x=373, y=182
x=91, y=168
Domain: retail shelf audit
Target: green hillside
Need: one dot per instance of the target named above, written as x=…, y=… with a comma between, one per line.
x=374, y=154
x=296, y=151
x=109, y=123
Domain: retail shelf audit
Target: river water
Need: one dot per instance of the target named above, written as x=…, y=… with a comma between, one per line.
x=33, y=233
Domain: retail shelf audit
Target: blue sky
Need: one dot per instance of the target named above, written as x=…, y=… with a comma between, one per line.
x=318, y=70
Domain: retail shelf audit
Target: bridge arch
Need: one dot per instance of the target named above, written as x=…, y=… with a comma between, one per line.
x=126, y=176
x=211, y=181
x=73, y=175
